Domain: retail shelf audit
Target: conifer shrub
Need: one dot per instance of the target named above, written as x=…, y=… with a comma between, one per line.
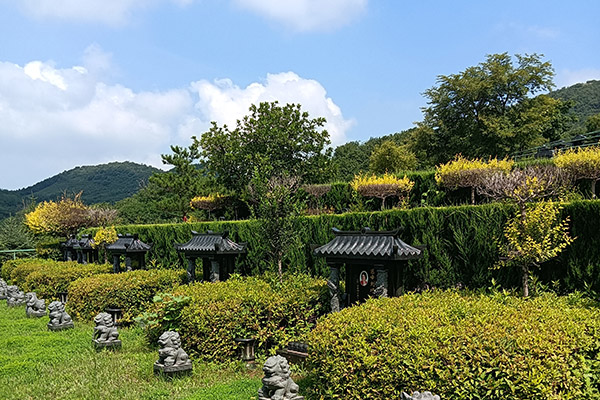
x=130, y=291
x=460, y=347
x=262, y=308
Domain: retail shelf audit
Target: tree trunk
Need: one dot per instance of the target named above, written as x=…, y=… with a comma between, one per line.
x=383, y=203
x=280, y=268
x=593, y=188
x=473, y=195
x=525, y=281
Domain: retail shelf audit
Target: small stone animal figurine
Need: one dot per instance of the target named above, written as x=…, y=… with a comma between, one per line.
x=35, y=307
x=59, y=319
x=3, y=286
x=277, y=384
x=171, y=357
x=105, y=332
x=420, y=396
x=14, y=297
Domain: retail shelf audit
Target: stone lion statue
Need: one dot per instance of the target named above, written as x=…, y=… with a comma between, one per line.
x=14, y=297
x=35, y=307
x=57, y=314
x=2, y=289
x=277, y=384
x=420, y=396
x=170, y=353
x=105, y=329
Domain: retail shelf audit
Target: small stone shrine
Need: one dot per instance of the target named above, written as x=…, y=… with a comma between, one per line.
x=14, y=297
x=420, y=396
x=277, y=383
x=59, y=319
x=35, y=307
x=132, y=248
x=373, y=261
x=172, y=359
x=217, y=252
x=68, y=247
x=85, y=249
x=105, y=332
x=3, y=286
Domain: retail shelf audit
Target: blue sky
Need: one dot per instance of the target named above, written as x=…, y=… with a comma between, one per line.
x=84, y=82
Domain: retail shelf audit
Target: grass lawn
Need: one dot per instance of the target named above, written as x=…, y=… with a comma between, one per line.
x=39, y=364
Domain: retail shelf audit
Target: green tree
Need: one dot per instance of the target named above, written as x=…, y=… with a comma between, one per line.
x=592, y=124
x=392, y=158
x=170, y=192
x=14, y=234
x=271, y=139
x=274, y=201
x=534, y=238
x=488, y=110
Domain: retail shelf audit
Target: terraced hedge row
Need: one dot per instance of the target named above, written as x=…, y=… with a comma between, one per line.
x=461, y=244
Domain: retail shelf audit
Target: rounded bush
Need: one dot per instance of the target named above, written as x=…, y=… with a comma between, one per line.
x=130, y=291
x=27, y=264
x=53, y=278
x=460, y=347
x=264, y=309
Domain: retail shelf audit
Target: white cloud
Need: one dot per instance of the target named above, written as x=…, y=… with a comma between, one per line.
x=54, y=119
x=224, y=102
x=307, y=15
x=568, y=77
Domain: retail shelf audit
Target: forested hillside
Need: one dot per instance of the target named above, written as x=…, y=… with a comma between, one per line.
x=585, y=98
x=99, y=183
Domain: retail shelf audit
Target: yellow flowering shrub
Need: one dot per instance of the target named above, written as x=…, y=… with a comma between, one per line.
x=581, y=163
x=62, y=217
x=105, y=236
x=210, y=203
x=462, y=172
x=382, y=187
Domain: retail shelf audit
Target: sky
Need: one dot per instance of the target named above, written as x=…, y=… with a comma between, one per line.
x=85, y=82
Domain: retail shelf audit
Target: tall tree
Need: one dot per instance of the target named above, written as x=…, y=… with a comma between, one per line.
x=272, y=139
x=392, y=158
x=489, y=109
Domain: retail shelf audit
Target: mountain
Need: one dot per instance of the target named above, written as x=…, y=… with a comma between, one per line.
x=585, y=98
x=105, y=183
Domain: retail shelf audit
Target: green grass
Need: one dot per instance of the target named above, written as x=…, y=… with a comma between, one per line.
x=39, y=364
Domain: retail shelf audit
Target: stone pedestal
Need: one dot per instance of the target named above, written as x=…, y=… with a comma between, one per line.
x=60, y=327
x=113, y=345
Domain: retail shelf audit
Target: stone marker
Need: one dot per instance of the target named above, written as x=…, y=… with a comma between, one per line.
x=35, y=307
x=14, y=297
x=277, y=384
x=105, y=332
x=172, y=359
x=420, y=396
x=2, y=289
x=59, y=319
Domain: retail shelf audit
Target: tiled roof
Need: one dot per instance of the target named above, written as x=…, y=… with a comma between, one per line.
x=368, y=244
x=211, y=243
x=128, y=244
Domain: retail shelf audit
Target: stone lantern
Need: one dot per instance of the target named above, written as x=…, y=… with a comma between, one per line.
x=132, y=248
x=374, y=263
x=217, y=252
x=68, y=247
x=86, y=252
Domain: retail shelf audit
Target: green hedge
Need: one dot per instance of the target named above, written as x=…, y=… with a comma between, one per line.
x=50, y=280
x=273, y=313
x=130, y=291
x=460, y=347
x=460, y=240
x=9, y=266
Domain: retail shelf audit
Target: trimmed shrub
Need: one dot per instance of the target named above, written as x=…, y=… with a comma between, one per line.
x=130, y=291
x=52, y=279
x=460, y=347
x=9, y=266
x=273, y=313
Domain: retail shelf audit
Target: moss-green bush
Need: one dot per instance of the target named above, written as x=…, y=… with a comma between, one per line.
x=460, y=347
x=273, y=313
x=9, y=266
x=130, y=291
x=56, y=277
